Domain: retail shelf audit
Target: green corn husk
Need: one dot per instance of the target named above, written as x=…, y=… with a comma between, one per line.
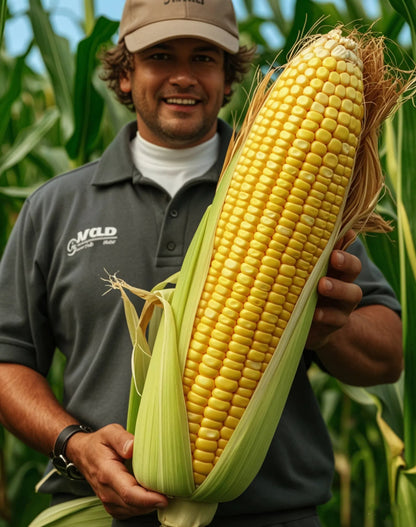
x=75, y=513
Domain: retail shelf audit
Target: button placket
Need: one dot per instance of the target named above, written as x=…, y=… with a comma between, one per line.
x=171, y=245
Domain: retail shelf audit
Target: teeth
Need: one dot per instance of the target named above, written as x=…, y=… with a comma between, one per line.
x=186, y=102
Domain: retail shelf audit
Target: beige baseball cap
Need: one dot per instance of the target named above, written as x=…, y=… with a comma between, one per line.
x=145, y=23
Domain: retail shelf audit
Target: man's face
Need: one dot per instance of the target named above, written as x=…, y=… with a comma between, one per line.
x=178, y=88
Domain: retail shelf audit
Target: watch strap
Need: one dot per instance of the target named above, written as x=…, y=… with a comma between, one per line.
x=59, y=460
x=63, y=438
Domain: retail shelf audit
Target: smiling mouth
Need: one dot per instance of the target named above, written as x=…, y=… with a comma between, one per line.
x=181, y=102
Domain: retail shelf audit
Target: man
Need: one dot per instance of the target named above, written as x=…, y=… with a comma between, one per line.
x=135, y=211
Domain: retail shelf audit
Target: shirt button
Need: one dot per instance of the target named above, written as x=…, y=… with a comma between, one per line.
x=173, y=213
x=171, y=246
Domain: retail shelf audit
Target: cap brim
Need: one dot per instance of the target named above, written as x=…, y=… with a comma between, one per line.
x=168, y=29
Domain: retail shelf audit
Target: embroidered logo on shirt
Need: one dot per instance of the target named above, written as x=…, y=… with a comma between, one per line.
x=89, y=237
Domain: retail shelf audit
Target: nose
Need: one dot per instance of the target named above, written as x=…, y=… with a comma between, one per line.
x=182, y=75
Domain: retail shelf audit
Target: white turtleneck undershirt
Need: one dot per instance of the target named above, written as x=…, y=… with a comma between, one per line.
x=171, y=168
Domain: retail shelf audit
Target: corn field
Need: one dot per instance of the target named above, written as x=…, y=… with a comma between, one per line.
x=64, y=116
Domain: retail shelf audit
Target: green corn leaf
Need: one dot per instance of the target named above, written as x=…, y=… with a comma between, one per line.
x=89, y=105
x=57, y=57
x=405, y=496
x=407, y=9
x=400, y=139
x=17, y=192
x=384, y=398
x=28, y=139
x=3, y=12
x=12, y=94
x=396, y=408
x=404, y=510
x=406, y=196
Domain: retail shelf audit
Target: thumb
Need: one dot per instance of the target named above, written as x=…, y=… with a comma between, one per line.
x=118, y=439
x=128, y=449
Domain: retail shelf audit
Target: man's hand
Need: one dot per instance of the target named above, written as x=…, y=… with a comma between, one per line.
x=30, y=410
x=338, y=296
x=101, y=457
x=359, y=346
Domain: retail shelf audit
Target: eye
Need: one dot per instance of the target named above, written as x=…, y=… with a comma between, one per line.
x=203, y=58
x=159, y=56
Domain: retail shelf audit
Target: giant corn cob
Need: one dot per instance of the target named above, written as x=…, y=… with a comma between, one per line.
x=231, y=337
x=280, y=210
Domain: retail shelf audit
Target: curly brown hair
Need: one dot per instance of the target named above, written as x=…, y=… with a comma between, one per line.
x=118, y=61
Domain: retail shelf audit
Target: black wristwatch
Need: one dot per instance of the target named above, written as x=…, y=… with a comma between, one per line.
x=65, y=467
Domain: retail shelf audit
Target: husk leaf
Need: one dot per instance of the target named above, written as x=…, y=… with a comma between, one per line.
x=73, y=513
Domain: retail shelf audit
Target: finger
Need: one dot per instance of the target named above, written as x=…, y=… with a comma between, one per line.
x=115, y=475
x=125, y=486
x=124, y=498
x=119, y=508
x=118, y=439
x=329, y=321
x=346, y=240
x=105, y=469
x=344, y=266
x=334, y=290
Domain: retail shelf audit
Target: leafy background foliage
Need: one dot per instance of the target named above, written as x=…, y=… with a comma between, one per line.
x=65, y=116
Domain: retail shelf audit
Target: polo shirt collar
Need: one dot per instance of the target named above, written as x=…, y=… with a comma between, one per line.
x=116, y=163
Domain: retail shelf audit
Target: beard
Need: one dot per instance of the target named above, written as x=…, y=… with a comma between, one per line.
x=177, y=129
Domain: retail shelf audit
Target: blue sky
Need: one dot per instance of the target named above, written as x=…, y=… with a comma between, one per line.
x=67, y=13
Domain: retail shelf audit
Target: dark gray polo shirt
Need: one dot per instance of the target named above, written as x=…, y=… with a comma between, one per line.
x=106, y=217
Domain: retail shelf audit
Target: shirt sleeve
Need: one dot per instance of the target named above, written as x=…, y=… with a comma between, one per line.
x=376, y=289
x=25, y=334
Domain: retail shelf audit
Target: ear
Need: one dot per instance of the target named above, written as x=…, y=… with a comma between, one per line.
x=125, y=83
x=227, y=89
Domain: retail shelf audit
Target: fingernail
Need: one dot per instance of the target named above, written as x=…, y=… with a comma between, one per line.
x=340, y=257
x=160, y=505
x=328, y=284
x=127, y=445
x=319, y=314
